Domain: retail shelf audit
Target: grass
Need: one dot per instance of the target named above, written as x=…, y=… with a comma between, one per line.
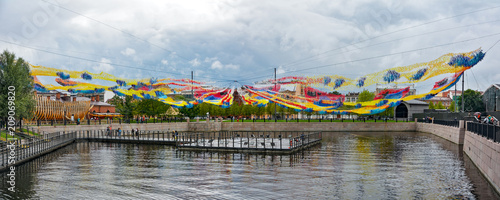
x=30, y=132
x=3, y=135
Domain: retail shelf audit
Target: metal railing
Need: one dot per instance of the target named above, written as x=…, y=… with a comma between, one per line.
x=98, y=121
x=424, y=120
x=174, y=120
x=14, y=150
x=453, y=123
x=488, y=131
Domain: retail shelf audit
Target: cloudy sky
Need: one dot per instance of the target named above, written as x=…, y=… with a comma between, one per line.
x=223, y=41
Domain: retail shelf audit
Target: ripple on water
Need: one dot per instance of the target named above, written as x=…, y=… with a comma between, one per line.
x=344, y=166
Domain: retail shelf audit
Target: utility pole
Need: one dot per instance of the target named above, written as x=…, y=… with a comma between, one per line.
x=276, y=93
x=463, y=100
x=192, y=79
x=455, y=98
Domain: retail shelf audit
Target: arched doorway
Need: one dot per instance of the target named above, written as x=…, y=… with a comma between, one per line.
x=401, y=111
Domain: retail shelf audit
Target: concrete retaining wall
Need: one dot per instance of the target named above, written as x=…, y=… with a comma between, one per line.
x=452, y=134
x=320, y=126
x=246, y=126
x=485, y=154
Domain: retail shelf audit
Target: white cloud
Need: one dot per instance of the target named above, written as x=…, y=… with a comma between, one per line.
x=105, y=66
x=217, y=65
x=280, y=70
x=207, y=59
x=233, y=35
x=195, y=62
x=231, y=66
x=128, y=51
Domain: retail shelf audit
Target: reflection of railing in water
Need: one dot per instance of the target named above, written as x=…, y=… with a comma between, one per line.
x=250, y=140
x=22, y=150
x=264, y=158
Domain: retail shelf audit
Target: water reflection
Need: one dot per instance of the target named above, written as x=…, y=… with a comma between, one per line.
x=344, y=166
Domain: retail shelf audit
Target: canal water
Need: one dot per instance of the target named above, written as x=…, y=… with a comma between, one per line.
x=343, y=166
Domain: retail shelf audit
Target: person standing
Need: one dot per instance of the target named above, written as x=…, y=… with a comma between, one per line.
x=119, y=132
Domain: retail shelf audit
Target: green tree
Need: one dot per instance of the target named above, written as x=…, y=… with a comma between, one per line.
x=281, y=111
x=116, y=101
x=389, y=112
x=190, y=112
x=431, y=105
x=247, y=110
x=473, y=101
x=440, y=105
x=217, y=111
x=128, y=108
x=452, y=106
x=292, y=111
x=152, y=107
x=259, y=111
x=204, y=108
x=235, y=110
x=16, y=84
x=365, y=96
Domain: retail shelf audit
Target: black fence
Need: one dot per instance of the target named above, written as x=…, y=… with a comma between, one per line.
x=424, y=120
x=488, y=131
x=174, y=120
x=97, y=121
x=452, y=123
x=14, y=150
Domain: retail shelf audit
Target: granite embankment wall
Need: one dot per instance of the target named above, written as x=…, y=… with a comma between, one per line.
x=452, y=134
x=321, y=126
x=485, y=154
x=244, y=126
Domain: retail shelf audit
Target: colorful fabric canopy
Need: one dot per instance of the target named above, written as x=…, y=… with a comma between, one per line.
x=312, y=99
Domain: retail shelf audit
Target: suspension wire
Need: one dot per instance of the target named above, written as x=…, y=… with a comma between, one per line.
x=403, y=29
x=477, y=84
x=389, y=41
x=114, y=28
x=100, y=62
x=493, y=45
x=391, y=54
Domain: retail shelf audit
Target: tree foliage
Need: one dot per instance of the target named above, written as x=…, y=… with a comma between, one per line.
x=15, y=73
x=128, y=108
x=152, y=107
x=116, y=101
x=440, y=105
x=472, y=100
x=190, y=112
x=452, y=106
x=431, y=105
x=365, y=96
